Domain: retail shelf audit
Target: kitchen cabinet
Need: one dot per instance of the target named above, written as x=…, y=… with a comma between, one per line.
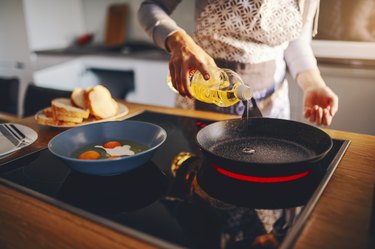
x=355, y=87
x=149, y=75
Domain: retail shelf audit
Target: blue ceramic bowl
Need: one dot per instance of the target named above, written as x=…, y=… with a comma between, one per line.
x=67, y=143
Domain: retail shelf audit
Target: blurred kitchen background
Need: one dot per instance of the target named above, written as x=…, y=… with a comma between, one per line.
x=53, y=46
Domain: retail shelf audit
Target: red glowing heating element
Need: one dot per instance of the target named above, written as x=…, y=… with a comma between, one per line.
x=259, y=179
x=200, y=124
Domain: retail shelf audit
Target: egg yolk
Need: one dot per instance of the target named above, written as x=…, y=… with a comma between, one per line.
x=89, y=155
x=111, y=144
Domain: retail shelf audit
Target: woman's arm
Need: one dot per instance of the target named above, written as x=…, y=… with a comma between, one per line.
x=299, y=55
x=320, y=102
x=186, y=55
x=153, y=15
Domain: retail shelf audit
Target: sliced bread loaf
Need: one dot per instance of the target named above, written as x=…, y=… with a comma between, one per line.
x=100, y=102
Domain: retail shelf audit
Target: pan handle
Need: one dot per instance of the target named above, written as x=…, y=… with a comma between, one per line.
x=254, y=111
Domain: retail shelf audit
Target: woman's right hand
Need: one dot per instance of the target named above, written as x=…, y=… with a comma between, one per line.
x=186, y=58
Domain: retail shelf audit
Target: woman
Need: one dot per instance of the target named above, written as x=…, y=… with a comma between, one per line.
x=258, y=39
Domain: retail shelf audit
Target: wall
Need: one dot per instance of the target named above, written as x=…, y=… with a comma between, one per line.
x=53, y=23
x=94, y=12
x=14, y=47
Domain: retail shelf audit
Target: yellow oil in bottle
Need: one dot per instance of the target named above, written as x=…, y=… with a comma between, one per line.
x=219, y=96
x=224, y=88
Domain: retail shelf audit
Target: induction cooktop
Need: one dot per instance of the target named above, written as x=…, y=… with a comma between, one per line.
x=173, y=210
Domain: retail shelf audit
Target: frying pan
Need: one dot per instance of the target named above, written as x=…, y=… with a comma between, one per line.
x=263, y=149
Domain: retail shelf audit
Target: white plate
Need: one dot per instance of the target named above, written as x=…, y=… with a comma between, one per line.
x=7, y=148
x=121, y=115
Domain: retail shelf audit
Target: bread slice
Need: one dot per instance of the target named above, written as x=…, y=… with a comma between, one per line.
x=48, y=111
x=100, y=102
x=49, y=117
x=65, y=118
x=84, y=105
x=45, y=120
x=78, y=98
x=63, y=107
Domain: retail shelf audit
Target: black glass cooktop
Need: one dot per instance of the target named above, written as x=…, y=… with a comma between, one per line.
x=175, y=208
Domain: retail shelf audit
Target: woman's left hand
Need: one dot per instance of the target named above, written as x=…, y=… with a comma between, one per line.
x=320, y=102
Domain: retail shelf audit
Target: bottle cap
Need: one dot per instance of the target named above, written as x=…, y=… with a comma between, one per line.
x=244, y=92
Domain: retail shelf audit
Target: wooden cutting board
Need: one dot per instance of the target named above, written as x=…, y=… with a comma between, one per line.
x=116, y=25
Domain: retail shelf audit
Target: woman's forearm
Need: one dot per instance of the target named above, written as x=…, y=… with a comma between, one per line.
x=310, y=78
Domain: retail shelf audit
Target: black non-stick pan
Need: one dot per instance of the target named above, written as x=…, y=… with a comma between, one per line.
x=262, y=147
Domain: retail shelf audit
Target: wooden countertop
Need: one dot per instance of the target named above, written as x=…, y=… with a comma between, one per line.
x=341, y=218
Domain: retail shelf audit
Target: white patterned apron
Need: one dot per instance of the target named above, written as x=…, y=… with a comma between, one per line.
x=250, y=37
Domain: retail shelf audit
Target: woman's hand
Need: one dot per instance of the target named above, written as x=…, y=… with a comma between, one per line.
x=320, y=102
x=320, y=105
x=186, y=58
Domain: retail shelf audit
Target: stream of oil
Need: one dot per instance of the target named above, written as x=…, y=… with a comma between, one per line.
x=247, y=149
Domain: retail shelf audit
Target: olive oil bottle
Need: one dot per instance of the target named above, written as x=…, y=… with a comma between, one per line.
x=224, y=88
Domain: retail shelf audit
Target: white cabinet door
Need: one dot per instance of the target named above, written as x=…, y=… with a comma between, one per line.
x=355, y=88
x=150, y=77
